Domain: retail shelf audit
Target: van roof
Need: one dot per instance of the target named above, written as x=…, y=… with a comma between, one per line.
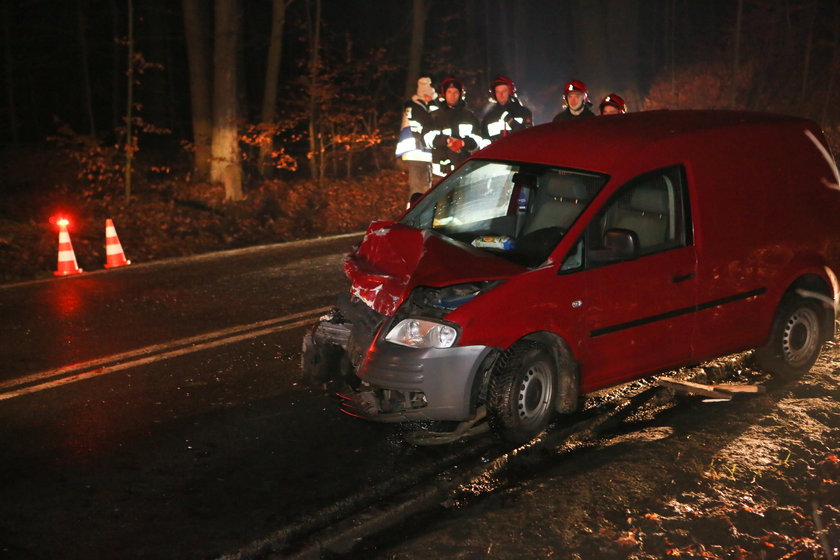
x=596, y=144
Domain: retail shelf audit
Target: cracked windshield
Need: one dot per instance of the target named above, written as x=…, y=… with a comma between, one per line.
x=518, y=211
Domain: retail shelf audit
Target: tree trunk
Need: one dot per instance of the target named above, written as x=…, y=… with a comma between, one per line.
x=520, y=29
x=158, y=109
x=195, y=26
x=590, y=43
x=85, y=68
x=315, y=151
x=129, y=104
x=116, y=65
x=736, y=62
x=835, y=66
x=623, y=50
x=415, y=51
x=173, y=73
x=226, y=167
x=272, y=75
x=806, y=62
x=672, y=46
x=503, y=59
x=9, y=75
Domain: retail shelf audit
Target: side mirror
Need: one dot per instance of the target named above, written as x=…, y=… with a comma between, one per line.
x=619, y=245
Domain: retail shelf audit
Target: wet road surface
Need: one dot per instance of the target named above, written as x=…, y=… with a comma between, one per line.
x=154, y=411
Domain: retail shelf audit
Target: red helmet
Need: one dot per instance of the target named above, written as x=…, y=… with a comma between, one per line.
x=576, y=85
x=502, y=81
x=614, y=100
x=451, y=82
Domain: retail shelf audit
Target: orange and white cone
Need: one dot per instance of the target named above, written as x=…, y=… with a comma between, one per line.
x=114, y=255
x=66, y=257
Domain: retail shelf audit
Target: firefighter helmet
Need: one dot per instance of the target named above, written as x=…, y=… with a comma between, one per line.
x=614, y=100
x=575, y=85
x=501, y=81
x=449, y=82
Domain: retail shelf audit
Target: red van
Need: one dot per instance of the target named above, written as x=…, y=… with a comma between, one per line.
x=574, y=256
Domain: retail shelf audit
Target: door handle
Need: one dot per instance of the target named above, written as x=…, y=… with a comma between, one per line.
x=682, y=277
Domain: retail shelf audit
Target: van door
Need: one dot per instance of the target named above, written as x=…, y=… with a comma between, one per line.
x=639, y=268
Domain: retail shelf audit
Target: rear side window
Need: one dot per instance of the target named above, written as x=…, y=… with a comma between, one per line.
x=653, y=207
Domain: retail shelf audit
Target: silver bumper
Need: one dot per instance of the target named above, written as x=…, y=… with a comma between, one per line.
x=401, y=383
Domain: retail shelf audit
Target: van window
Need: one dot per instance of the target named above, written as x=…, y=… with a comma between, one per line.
x=652, y=209
x=518, y=211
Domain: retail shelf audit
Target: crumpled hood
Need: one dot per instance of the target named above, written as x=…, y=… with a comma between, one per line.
x=393, y=258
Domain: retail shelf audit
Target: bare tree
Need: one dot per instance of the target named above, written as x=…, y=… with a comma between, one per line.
x=806, y=57
x=622, y=18
x=196, y=25
x=116, y=66
x=833, y=69
x=9, y=74
x=80, y=10
x=315, y=147
x=272, y=75
x=415, y=51
x=129, y=104
x=590, y=41
x=226, y=166
x=736, y=55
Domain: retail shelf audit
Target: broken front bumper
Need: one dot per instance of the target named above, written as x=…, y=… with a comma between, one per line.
x=400, y=383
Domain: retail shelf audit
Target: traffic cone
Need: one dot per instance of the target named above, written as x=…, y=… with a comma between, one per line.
x=114, y=255
x=66, y=257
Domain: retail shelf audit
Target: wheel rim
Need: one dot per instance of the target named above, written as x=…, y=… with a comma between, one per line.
x=534, y=397
x=800, y=338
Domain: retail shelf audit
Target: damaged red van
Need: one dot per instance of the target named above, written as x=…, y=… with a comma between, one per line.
x=575, y=256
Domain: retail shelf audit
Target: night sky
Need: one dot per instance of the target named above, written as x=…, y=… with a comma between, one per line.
x=65, y=61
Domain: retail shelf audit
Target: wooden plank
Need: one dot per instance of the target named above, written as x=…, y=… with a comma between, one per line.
x=694, y=388
x=736, y=388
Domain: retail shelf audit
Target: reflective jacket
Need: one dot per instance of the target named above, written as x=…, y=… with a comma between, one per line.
x=452, y=122
x=415, y=122
x=501, y=120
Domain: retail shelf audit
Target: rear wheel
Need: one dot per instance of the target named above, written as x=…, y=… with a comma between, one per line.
x=796, y=338
x=520, y=399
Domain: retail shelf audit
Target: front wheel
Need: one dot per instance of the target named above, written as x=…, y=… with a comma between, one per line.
x=796, y=338
x=520, y=399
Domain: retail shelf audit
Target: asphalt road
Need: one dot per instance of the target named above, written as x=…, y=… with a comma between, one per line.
x=154, y=411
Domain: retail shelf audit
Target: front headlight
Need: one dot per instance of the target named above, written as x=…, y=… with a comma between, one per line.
x=452, y=297
x=419, y=333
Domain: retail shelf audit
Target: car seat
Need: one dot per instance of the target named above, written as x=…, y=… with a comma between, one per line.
x=558, y=202
x=646, y=214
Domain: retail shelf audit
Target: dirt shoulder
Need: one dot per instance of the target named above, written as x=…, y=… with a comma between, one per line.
x=757, y=477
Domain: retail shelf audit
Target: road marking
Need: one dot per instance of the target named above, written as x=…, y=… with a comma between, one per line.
x=201, y=257
x=125, y=360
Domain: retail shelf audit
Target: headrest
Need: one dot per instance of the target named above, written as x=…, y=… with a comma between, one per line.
x=566, y=186
x=650, y=199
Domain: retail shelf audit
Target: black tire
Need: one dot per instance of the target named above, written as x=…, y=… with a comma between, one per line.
x=796, y=338
x=521, y=393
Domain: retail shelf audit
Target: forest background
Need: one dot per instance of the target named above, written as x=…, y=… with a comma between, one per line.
x=202, y=125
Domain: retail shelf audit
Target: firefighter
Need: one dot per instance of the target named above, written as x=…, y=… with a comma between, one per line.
x=575, y=102
x=612, y=104
x=411, y=147
x=507, y=114
x=454, y=132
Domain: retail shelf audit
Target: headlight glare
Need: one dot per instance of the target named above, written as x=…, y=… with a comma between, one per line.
x=419, y=333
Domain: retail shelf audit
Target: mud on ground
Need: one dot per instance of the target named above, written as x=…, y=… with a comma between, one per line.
x=757, y=477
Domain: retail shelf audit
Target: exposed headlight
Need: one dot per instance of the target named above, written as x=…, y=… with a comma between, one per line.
x=419, y=333
x=450, y=298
